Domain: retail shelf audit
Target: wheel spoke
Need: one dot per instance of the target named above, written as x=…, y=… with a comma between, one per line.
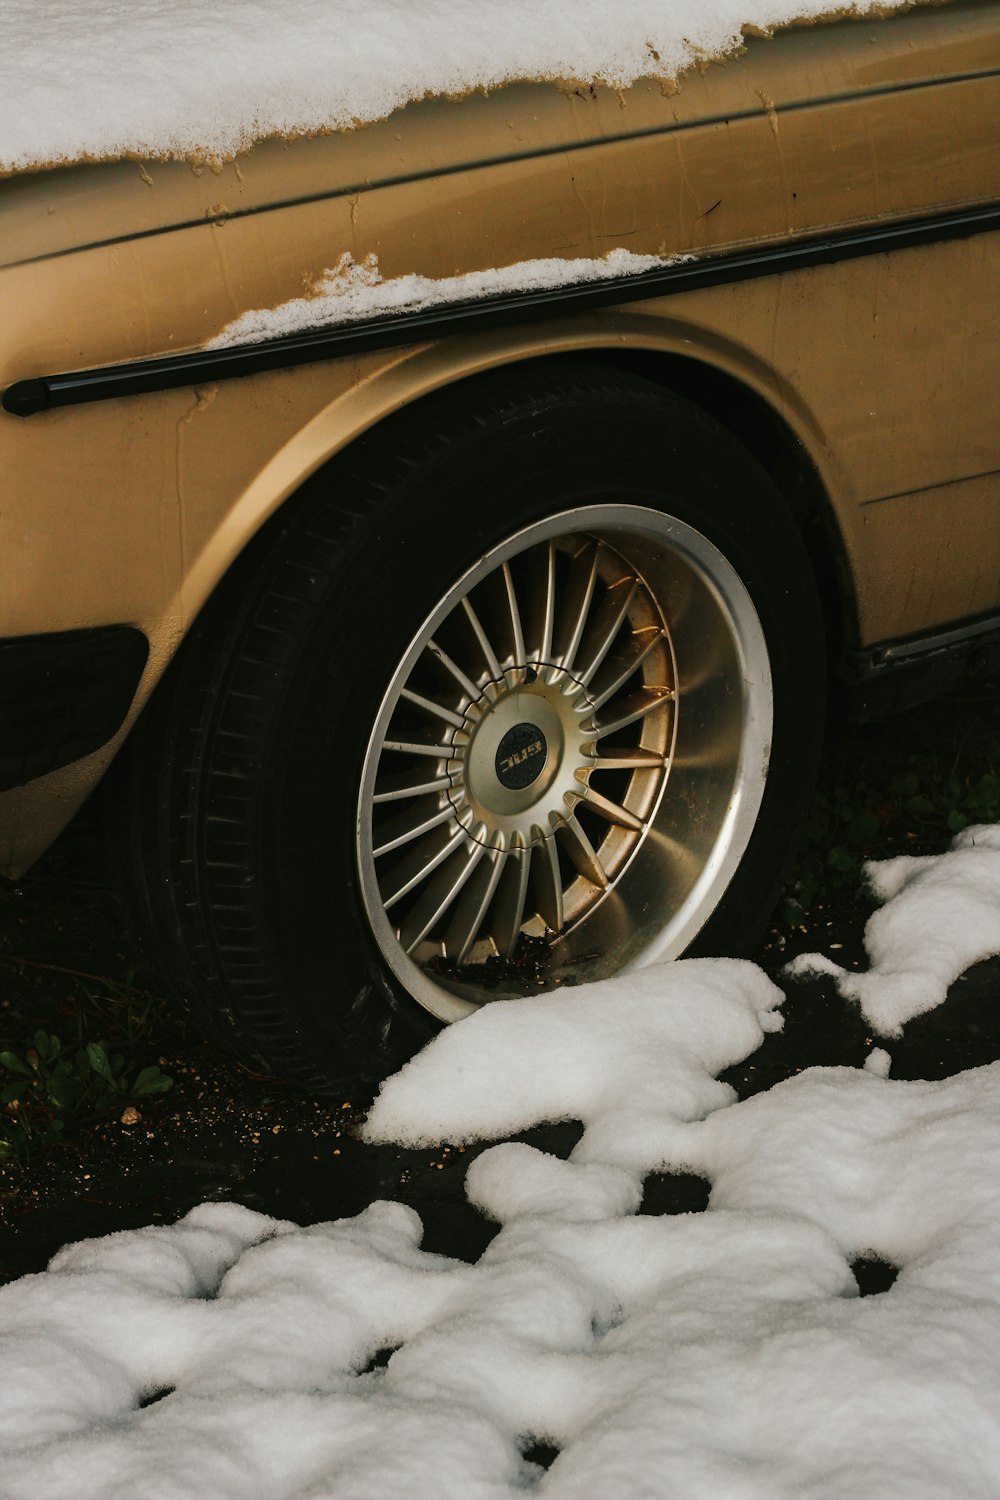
x=465, y=683
x=508, y=909
x=438, y=895
x=548, y=619
x=584, y=857
x=419, y=861
x=576, y=604
x=470, y=913
x=620, y=715
x=489, y=654
x=517, y=632
x=613, y=812
x=629, y=759
x=617, y=669
x=542, y=601
x=436, y=710
x=547, y=884
x=603, y=627
x=416, y=745
x=411, y=824
x=417, y=783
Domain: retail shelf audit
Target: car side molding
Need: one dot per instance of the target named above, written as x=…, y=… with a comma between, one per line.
x=25, y=398
x=896, y=675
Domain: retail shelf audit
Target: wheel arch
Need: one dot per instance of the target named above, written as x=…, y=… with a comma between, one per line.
x=774, y=442
x=728, y=381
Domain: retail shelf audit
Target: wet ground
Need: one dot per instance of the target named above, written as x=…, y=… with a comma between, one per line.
x=224, y=1133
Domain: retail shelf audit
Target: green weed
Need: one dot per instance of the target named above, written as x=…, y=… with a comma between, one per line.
x=49, y=1083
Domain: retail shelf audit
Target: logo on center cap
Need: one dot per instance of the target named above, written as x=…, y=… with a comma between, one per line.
x=521, y=755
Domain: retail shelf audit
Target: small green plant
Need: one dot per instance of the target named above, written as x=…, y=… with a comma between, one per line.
x=46, y=1084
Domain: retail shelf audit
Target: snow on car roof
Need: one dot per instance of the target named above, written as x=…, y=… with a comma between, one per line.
x=96, y=79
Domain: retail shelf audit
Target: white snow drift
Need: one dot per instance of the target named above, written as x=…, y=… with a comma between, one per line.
x=105, y=78
x=943, y=915
x=722, y=1355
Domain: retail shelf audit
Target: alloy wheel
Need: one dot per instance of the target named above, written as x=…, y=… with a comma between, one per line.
x=568, y=761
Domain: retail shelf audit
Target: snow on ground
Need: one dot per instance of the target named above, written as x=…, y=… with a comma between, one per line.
x=105, y=78
x=352, y=290
x=722, y=1355
x=942, y=916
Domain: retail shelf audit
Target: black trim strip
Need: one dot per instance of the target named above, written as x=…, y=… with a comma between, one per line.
x=903, y=673
x=965, y=636
x=27, y=397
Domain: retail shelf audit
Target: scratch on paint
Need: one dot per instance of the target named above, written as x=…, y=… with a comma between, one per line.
x=772, y=113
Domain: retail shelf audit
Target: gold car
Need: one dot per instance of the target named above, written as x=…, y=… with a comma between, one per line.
x=481, y=646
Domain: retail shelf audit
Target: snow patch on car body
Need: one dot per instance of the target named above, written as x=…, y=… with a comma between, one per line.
x=90, y=80
x=354, y=290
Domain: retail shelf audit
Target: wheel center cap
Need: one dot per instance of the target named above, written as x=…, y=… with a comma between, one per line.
x=514, y=766
x=521, y=756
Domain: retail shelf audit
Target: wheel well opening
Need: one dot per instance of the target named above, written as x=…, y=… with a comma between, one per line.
x=778, y=451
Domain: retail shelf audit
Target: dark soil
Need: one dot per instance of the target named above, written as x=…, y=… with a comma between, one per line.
x=223, y=1132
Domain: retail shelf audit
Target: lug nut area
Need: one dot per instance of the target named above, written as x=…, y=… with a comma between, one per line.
x=521, y=758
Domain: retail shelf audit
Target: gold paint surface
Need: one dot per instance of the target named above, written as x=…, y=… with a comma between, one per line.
x=886, y=368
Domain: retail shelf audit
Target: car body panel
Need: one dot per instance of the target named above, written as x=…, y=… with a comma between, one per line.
x=131, y=510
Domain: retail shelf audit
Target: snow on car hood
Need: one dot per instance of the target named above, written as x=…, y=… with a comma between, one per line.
x=96, y=79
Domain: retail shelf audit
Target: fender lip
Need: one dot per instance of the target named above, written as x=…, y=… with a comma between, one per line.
x=30, y=396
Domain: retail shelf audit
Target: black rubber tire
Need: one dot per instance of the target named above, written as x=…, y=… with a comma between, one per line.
x=235, y=798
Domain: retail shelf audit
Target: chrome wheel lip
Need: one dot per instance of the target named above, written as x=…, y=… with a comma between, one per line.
x=658, y=936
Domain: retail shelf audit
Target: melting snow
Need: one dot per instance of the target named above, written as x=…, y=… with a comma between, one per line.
x=942, y=916
x=102, y=78
x=352, y=290
x=709, y=1355
x=879, y=1062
